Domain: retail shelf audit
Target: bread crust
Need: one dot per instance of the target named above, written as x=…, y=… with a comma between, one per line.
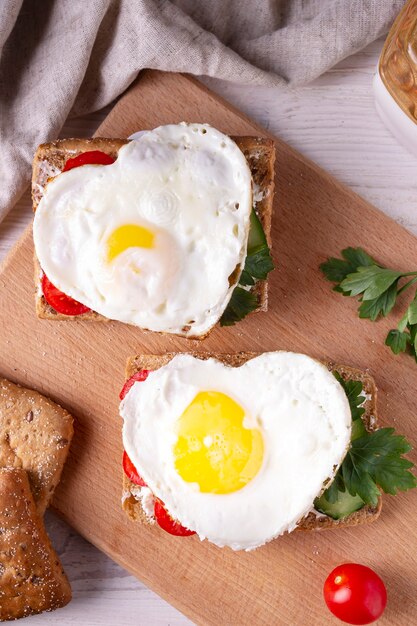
x=50, y=159
x=31, y=576
x=35, y=435
x=132, y=505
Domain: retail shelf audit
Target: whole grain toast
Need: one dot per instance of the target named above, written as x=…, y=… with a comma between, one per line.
x=50, y=159
x=35, y=435
x=31, y=576
x=131, y=502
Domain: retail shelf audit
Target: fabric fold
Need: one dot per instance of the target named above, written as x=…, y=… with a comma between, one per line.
x=59, y=57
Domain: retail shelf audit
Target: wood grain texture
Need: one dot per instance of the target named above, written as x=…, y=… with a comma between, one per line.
x=82, y=367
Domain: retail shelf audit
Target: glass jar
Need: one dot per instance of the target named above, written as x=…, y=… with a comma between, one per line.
x=395, y=83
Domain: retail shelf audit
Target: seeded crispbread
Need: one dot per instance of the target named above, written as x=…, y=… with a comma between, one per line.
x=131, y=502
x=50, y=159
x=35, y=434
x=31, y=576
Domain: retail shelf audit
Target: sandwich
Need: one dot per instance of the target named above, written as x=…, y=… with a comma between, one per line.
x=242, y=448
x=169, y=232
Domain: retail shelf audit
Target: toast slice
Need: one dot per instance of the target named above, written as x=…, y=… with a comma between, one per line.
x=35, y=435
x=133, y=498
x=31, y=576
x=50, y=159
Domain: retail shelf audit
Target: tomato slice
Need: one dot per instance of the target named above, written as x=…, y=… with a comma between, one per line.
x=131, y=471
x=162, y=516
x=128, y=467
x=137, y=377
x=92, y=157
x=355, y=594
x=166, y=522
x=60, y=301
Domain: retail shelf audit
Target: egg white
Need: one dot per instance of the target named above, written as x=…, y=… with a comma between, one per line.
x=302, y=412
x=190, y=185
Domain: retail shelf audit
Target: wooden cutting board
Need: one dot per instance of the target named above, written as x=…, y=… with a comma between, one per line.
x=81, y=365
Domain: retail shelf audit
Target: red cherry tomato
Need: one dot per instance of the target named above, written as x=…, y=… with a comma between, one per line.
x=137, y=377
x=131, y=471
x=59, y=301
x=166, y=522
x=93, y=157
x=355, y=594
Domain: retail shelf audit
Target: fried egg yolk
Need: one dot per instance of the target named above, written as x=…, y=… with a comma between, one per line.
x=128, y=236
x=214, y=449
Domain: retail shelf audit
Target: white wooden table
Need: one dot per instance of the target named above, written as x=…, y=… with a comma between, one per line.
x=333, y=122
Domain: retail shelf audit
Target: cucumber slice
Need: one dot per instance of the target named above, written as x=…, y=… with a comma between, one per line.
x=344, y=506
x=256, y=237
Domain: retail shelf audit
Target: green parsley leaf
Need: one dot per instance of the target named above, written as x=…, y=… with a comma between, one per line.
x=382, y=305
x=332, y=493
x=403, y=340
x=397, y=341
x=353, y=390
x=410, y=317
x=336, y=270
x=359, y=482
x=377, y=288
x=370, y=281
x=241, y=303
x=259, y=263
x=246, y=279
x=413, y=332
x=374, y=461
x=412, y=312
x=403, y=323
x=404, y=337
x=358, y=257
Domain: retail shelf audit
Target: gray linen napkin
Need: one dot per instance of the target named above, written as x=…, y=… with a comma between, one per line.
x=61, y=57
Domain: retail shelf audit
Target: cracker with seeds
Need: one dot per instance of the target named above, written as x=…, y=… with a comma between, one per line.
x=31, y=576
x=35, y=435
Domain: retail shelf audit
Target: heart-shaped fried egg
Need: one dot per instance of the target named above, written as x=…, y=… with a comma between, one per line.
x=237, y=454
x=156, y=239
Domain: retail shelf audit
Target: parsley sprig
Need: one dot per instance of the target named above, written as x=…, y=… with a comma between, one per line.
x=374, y=461
x=404, y=337
x=241, y=303
x=258, y=264
x=358, y=275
